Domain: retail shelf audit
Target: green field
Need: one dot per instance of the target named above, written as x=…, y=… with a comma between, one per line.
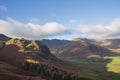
x=114, y=65
x=108, y=69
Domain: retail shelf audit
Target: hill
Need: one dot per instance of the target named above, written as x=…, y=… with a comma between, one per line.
x=10, y=72
x=81, y=59
x=22, y=49
x=94, y=61
x=22, y=59
x=77, y=48
x=4, y=37
x=55, y=44
x=113, y=45
x=15, y=52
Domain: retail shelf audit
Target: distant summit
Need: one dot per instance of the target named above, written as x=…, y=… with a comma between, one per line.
x=4, y=37
x=78, y=48
x=76, y=39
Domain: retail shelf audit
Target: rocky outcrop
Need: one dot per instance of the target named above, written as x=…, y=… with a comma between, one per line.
x=16, y=51
x=25, y=45
x=30, y=47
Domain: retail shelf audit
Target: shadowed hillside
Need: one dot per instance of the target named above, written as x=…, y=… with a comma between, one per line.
x=95, y=61
x=26, y=49
x=78, y=48
x=4, y=37
x=22, y=59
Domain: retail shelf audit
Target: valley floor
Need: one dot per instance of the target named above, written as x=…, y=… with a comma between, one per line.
x=98, y=70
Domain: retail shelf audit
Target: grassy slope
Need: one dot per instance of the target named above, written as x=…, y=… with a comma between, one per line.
x=9, y=72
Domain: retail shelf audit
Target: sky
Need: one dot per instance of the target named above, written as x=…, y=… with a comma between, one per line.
x=61, y=19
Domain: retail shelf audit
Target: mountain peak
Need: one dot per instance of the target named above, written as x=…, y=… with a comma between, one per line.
x=4, y=37
x=76, y=39
x=28, y=45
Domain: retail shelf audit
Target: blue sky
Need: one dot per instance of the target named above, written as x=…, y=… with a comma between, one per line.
x=69, y=13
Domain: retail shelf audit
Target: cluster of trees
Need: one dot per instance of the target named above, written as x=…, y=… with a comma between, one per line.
x=50, y=72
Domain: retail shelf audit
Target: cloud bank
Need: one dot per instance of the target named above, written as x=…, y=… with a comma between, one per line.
x=101, y=31
x=30, y=30
x=15, y=28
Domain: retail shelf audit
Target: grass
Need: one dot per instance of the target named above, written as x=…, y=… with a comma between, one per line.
x=114, y=65
x=89, y=75
x=98, y=70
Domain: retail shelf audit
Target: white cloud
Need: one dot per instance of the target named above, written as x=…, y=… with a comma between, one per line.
x=73, y=21
x=34, y=20
x=15, y=28
x=30, y=30
x=101, y=31
x=3, y=8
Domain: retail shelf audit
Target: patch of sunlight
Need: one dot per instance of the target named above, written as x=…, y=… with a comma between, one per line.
x=106, y=43
x=32, y=61
x=94, y=56
x=114, y=65
x=115, y=50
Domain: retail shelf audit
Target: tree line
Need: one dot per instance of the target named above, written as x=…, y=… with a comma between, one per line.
x=50, y=72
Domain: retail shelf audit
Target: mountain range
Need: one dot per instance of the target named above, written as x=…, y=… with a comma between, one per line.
x=83, y=48
x=77, y=59
x=22, y=59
